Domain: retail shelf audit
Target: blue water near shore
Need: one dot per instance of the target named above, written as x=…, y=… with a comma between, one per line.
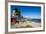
x=36, y=20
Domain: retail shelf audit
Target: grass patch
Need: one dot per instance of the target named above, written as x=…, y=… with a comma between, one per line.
x=28, y=26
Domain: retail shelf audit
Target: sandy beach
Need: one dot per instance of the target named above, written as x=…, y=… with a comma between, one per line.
x=27, y=24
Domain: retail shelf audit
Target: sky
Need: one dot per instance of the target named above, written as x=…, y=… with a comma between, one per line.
x=33, y=12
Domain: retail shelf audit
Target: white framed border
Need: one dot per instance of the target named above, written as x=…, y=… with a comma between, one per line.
x=24, y=29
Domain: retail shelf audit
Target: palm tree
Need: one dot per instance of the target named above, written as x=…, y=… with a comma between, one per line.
x=17, y=12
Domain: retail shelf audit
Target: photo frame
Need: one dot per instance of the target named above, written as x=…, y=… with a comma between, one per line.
x=26, y=29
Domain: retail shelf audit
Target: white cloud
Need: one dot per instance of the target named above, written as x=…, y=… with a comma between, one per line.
x=32, y=17
x=27, y=16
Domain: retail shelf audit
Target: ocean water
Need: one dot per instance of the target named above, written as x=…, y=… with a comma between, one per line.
x=36, y=20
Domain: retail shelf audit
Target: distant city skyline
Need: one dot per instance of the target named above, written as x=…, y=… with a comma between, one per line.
x=33, y=12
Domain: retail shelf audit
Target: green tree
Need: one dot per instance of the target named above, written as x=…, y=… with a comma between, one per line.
x=17, y=12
